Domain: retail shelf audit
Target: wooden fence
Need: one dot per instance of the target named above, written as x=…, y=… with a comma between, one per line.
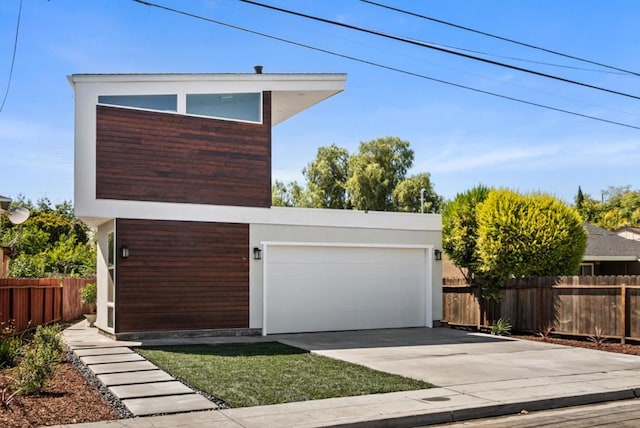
x=571, y=305
x=32, y=302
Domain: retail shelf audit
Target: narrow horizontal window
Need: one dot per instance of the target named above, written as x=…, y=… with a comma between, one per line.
x=150, y=102
x=225, y=106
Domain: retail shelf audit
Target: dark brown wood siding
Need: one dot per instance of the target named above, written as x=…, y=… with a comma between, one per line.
x=181, y=276
x=151, y=156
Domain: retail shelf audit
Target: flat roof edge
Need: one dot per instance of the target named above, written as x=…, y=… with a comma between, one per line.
x=173, y=77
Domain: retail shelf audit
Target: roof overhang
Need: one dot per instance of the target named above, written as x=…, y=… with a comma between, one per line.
x=588, y=258
x=5, y=203
x=292, y=93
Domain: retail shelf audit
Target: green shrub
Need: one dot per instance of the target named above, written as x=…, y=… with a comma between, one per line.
x=40, y=361
x=50, y=336
x=10, y=344
x=89, y=294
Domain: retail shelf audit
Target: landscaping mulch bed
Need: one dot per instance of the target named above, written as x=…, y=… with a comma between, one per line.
x=609, y=345
x=68, y=399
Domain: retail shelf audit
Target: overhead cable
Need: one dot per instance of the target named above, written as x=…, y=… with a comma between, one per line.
x=437, y=48
x=374, y=64
x=13, y=58
x=500, y=37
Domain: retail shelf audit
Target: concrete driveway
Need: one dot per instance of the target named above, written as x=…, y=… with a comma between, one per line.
x=466, y=361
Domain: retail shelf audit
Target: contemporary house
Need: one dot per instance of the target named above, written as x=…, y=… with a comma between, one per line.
x=608, y=253
x=174, y=173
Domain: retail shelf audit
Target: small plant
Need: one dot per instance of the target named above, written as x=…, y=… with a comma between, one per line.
x=40, y=360
x=89, y=295
x=597, y=337
x=7, y=344
x=6, y=393
x=502, y=327
x=545, y=332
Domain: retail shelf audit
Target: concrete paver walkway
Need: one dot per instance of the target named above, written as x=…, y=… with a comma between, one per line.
x=478, y=375
x=142, y=387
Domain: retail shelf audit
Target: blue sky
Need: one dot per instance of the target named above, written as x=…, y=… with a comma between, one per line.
x=461, y=137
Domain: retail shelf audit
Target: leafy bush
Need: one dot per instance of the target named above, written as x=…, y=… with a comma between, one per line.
x=528, y=235
x=49, y=336
x=40, y=361
x=89, y=294
x=10, y=344
x=460, y=229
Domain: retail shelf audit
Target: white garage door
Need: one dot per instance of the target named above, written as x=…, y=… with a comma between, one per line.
x=321, y=287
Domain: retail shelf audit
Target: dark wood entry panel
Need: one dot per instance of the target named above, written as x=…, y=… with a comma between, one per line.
x=181, y=276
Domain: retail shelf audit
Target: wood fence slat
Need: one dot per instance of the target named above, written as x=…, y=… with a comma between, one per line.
x=34, y=301
x=572, y=305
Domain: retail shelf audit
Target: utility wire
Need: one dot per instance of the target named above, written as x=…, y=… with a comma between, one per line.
x=398, y=70
x=437, y=48
x=550, y=64
x=13, y=58
x=499, y=37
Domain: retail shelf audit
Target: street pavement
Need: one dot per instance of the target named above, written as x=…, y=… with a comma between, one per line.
x=616, y=414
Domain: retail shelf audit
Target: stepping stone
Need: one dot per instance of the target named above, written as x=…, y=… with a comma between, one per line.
x=169, y=404
x=146, y=376
x=150, y=390
x=133, y=366
x=112, y=358
x=103, y=351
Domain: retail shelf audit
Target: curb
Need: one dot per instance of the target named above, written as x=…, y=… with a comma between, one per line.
x=466, y=414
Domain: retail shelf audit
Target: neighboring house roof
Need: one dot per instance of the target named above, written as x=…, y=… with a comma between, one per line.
x=629, y=232
x=4, y=203
x=604, y=245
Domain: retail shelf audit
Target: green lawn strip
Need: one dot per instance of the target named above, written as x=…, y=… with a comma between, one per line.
x=257, y=374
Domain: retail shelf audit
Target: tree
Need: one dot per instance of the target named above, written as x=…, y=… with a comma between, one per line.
x=530, y=235
x=376, y=170
x=579, y=199
x=622, y=208
x=460, y=230
x=326, y=177
x=407, y=195
x=51, y=242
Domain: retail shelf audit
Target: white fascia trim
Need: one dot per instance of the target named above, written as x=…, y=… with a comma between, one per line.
x=203, y=77
x=107, y=209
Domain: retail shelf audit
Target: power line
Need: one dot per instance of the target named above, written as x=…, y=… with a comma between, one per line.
x=499, y=37
x=13, y=58
x=386, y=67
x=437, y=48
x=550, y=64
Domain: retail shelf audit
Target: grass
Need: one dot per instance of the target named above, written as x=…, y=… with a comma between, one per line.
x=270, y=373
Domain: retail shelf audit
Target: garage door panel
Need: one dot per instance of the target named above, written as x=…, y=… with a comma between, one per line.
x=336, y=288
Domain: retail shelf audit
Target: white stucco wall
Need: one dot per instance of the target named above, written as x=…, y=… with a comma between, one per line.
x=102, y=273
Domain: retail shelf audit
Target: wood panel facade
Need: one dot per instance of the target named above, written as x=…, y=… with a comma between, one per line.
x=181, y=276
x=164, y=157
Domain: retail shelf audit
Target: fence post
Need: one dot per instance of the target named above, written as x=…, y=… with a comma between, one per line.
x=623, y=313
x=479, y=300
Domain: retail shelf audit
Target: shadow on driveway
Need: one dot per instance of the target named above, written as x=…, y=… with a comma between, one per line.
x=419, y=336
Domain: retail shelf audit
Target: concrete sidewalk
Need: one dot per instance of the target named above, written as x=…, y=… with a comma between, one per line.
x=479, y=376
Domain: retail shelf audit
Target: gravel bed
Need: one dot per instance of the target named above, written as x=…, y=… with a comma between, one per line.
x=92, y=379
